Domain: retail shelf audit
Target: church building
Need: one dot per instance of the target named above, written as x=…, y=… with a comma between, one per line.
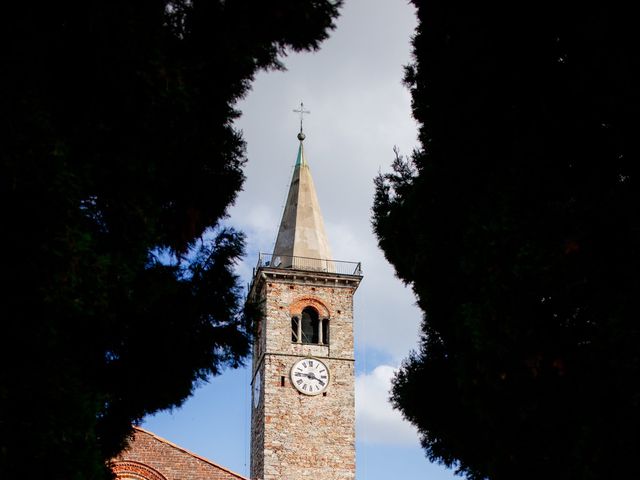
x=303, y=372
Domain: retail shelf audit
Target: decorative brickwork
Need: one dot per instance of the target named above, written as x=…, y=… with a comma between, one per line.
x=297, y=436
x=135, y=470
x=298, y=305
x=150, y=457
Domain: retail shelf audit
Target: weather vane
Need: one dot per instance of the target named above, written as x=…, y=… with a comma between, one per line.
x=302, y=111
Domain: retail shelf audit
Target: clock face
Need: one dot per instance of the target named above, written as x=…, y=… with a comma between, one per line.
x=310, y=376
x=256, y=389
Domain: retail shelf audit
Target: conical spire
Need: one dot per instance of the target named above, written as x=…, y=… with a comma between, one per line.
x=301, y=232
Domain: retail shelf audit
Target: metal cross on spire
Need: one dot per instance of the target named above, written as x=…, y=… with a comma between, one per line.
x=302, y=111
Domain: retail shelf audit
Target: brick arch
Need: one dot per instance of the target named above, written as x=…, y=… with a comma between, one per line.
x=135, y=471
x=301, y=303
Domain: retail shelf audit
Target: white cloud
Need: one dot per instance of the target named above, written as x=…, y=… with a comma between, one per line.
x=376, y=420
x=386, y=317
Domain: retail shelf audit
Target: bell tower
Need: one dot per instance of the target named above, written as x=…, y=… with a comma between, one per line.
x=303, y=408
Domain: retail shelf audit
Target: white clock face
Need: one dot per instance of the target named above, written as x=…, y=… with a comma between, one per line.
x=310, y=376
x=256, y=389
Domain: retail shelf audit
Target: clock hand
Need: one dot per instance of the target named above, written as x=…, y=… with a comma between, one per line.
x=313, y=377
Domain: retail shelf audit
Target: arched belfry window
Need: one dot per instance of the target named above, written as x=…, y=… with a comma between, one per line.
x=309, y=328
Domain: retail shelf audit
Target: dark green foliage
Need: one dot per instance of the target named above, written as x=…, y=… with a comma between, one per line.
x=517, y=223
x=117, y=149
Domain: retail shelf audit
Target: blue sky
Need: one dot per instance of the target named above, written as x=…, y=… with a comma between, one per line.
x=359, y=112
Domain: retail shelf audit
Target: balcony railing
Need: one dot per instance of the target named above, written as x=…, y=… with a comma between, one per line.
x=287, y=262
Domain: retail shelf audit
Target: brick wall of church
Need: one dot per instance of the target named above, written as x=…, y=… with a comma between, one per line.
x=170, y=461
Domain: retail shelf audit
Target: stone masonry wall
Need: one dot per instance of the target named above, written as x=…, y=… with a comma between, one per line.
x=295, y=436
x=338, y=299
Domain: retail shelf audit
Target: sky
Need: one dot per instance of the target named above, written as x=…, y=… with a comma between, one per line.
x=360, y=111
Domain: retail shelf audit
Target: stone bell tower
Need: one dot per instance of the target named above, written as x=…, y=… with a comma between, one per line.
x=303, y=409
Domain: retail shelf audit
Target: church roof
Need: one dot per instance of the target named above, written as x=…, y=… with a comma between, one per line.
x=301, y=232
